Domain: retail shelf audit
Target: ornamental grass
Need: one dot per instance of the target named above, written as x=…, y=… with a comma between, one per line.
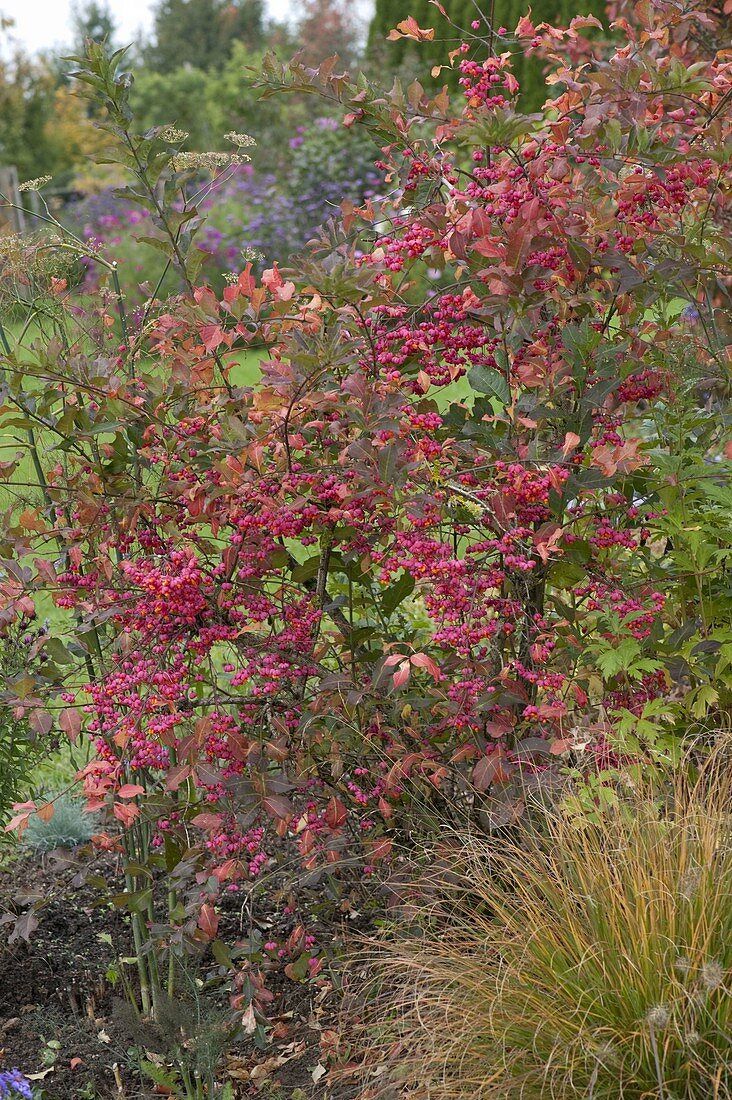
x=577, y=960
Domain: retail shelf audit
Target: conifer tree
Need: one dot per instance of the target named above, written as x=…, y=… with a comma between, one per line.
x=201, y=33
x=92, y=20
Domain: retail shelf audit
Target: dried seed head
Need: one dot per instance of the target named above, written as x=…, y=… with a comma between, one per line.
x=35, y=184
x=712, y=974
x=658, y=1017
x=689, y=883
x=173, y=136
x=183, y=162
x=242, y=140
x=11, y=247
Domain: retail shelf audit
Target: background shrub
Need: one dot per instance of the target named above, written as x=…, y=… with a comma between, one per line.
x=247, y=213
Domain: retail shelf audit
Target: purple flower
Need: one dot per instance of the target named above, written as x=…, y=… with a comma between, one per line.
x=14, y=1084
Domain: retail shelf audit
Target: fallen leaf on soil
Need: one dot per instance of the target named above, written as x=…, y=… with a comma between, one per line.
x=265, y=1069
x=25, y=926
x=41, y=1075
x=329, y=1043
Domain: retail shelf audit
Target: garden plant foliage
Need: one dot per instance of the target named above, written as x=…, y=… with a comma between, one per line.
x=469, y=534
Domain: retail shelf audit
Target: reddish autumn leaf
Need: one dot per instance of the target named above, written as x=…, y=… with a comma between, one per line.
x=126, y=812
x=207, y=821
x=571, y=442
x=278, y=806
x=208, y=921
x=213, y=336
x=296, y=940
x=336, y=813
x=421, y=660
x=40, y=721
x=551, y=710
x=106, y=843
x=20, y=819
x=380, y=848
x=409, y=28
x=501, y=725
x=281, y=290
x=401, y=675
x=580, y=22
x=177, y=775
x=560, y=745
x=525, y=28
x=644, y=13
x=580, y=695
x=492, y=769
x=70, y=722
x=130, y=790
x=547, y=539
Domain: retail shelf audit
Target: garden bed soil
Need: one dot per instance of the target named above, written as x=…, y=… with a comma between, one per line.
x=62, y=1021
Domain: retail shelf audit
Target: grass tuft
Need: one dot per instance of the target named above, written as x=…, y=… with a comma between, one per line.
x=585, y=960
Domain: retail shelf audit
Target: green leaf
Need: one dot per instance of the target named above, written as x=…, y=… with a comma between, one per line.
x=299, y=969
x=173, y=852
x=580, y=341
x=566, y=574
x=705, y=697
x=397, y=592
x=308, y=570
x=488, y=380
x=221, y=953
x=138, y=869
x=722, y=494
x=179, y=218
x=595, y=396
x=58, y=652
x=136, y=902
x=618, y=659
x=160, y=245
x=388, y=463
